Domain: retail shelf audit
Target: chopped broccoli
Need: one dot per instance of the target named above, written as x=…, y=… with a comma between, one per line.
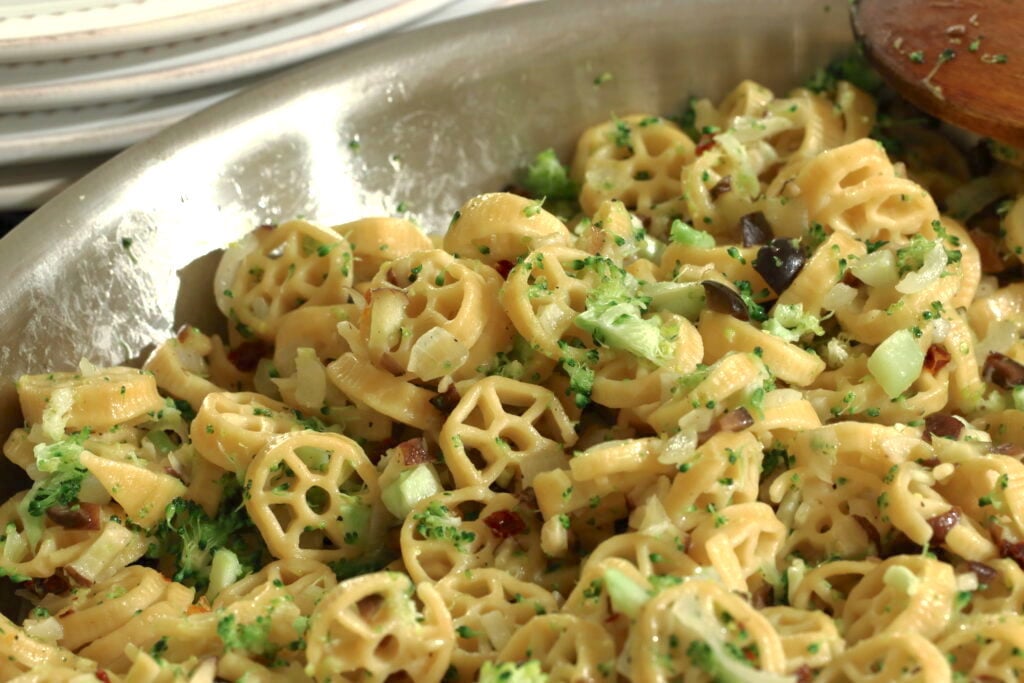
x=790, y=322
x=581, y=376
x=253, y=637
x=510, y=672
x=684, y=233
x=912, y=256
x=190, y=537
x=614, y=314
x=437, y=522
x=547, y=177
x=63, y=472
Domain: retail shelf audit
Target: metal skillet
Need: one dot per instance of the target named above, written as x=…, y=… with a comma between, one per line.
x=125, y=256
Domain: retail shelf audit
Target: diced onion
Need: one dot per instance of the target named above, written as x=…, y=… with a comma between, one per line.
x=436, y=353
x=935, y=261
x=311, y=385
x=877, y=269
x=48, y=630
x=840, y=296
x=896, y=363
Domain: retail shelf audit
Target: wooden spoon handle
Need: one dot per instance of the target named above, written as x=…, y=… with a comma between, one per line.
x=959, y=60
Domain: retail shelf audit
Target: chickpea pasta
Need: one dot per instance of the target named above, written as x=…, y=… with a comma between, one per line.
x=732, y=396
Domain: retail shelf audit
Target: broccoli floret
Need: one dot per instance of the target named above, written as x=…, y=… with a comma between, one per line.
x=190, y=538
x=253, y=638
x=438, y=522
x=581, y=375
x=614, y=314
x=509, y=672
x=684, y=233
x=790, y=322
x=64, y=474
x=911, y=256
x=547, y=177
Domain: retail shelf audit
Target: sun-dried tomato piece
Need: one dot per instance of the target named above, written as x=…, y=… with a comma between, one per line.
x=505, y=523
x=942, y=425
x=80, y=516
x=414, y=452
x=1003, y=371
x=936, y=358
x=942, y=524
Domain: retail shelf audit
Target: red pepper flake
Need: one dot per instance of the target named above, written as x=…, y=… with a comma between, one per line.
x=505, y=523
x=942, y=425
x=80, y=516
x=246, y=356
x=101, y=675
x=705, y=143
x=936, y=358
x=414, y=451
x=942, y=524
x=804, y=674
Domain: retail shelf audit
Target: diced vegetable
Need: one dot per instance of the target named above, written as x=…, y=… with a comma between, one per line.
x=896, y=363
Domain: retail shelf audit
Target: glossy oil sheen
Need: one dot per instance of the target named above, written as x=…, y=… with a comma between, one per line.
x=125, y=256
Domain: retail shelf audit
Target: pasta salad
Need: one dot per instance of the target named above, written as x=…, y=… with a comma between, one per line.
x=733, y=396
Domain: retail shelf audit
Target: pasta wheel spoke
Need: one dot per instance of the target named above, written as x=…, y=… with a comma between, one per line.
x=487, y=607
x=680, y=624
x=230, y=429
x=889, y=657
x=278, y=269
x=373, y=626
x=502, y=428
x=567, y=647
x=314, y=496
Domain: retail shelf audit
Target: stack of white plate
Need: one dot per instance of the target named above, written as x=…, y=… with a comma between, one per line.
x=82, y=79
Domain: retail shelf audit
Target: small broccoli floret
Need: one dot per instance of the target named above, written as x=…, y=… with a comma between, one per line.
x=614, y=314
x=190, y=537
x=547, y=177
x=509, y=672
x=253, y=638
x=438, y=522
x=790, y=322
x=63, y=472
x=581, y=375
x=684, y=233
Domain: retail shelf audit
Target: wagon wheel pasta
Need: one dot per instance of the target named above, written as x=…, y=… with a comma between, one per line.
x=734, y=396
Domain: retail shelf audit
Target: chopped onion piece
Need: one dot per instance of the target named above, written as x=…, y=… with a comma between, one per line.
x=896, y=363
x=935, y=261
x=840, y=296
x=311, y=385
x=877, y=269
x=436, y=354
